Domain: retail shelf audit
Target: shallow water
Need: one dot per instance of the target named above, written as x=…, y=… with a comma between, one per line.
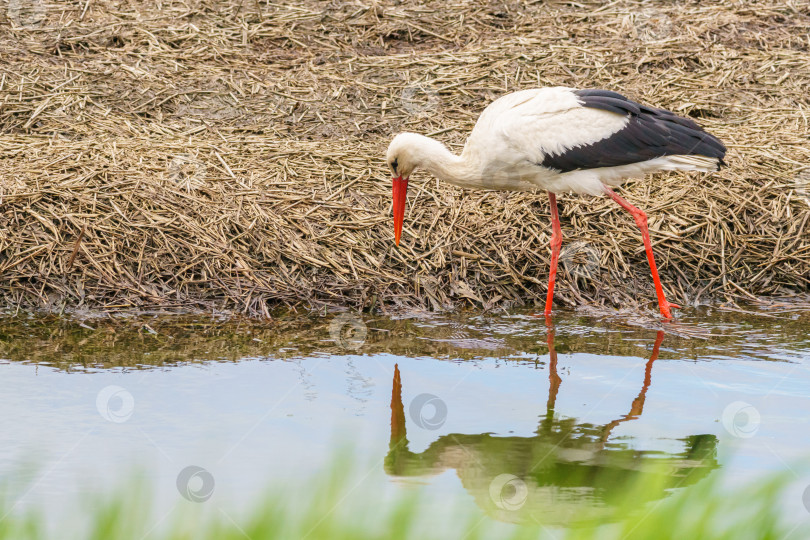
x=524, y=419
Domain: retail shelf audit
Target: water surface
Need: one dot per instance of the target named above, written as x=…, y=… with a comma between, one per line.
x=524, y=419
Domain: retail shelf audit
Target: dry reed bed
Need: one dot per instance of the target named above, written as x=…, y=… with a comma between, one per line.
x=215, y=155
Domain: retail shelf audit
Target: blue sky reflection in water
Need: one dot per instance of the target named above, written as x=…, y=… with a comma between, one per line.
x=524, y=421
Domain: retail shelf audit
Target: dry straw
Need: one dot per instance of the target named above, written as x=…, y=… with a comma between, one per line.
x=227, y=155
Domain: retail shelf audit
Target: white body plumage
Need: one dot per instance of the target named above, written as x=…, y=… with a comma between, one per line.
x=518, y=135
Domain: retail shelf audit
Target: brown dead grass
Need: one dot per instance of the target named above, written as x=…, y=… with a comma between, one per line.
x=228, y=155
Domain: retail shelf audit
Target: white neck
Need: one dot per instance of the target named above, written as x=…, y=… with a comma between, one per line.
x=435, y=157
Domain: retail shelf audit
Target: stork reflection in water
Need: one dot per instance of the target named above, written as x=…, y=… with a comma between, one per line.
x=568, y=472
x=636, y=407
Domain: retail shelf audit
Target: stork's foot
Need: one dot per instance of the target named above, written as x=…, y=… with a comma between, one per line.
x=666, y=309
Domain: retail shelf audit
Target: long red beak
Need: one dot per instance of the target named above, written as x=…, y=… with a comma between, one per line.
x=400, y=190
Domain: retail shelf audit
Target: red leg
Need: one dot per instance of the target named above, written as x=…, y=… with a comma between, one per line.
x=641, y=221
x=556, y=242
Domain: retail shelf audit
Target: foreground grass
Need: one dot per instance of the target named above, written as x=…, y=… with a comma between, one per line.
x=333, y=506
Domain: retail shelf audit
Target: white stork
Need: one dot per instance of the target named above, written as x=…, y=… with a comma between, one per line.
x=561, y=140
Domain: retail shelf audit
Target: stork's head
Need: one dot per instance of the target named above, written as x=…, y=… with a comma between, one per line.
x=402, y=159
x=406, y=153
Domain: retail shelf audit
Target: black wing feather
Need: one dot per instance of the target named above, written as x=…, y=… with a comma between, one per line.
x=649, y=133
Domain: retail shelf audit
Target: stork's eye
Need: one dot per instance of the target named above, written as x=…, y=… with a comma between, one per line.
x=394, y=165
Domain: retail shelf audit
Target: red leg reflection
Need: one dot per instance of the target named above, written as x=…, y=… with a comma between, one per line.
x=638, y=404
x=554, y=379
